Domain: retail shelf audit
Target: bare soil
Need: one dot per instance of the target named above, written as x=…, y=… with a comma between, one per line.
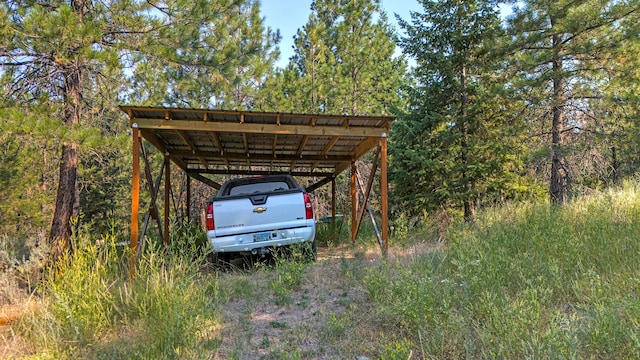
x=307, y=326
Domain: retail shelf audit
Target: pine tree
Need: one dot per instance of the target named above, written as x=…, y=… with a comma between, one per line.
x=556, y=49
x=343, y=63
x=79, y=54
x=451, y=147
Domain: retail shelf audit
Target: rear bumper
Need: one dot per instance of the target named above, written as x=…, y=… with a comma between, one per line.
x=251, y=241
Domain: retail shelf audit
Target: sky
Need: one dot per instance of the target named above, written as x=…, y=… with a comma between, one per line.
x=290, y=15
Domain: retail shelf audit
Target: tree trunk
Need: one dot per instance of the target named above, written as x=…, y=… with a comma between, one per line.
x=468, y=203
x=558, y=179
x=65, y=203
x=68, y=195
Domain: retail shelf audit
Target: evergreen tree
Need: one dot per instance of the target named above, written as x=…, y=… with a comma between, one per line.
x=214, y=54
x=557, y=48
x=619, y=111
x=343, y=63
x=452, y=148
x=79, y=54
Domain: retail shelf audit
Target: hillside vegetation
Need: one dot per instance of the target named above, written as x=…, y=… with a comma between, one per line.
x=525, y=281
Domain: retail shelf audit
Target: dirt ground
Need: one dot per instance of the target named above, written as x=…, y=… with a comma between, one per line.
x=308, y=326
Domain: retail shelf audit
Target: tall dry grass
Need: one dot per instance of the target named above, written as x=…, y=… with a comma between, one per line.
x=525, y=281
x=93, y=307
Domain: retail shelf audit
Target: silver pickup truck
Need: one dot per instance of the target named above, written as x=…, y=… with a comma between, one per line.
x=259, y=214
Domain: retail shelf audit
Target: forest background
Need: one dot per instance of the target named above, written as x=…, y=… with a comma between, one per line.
x=542, y=102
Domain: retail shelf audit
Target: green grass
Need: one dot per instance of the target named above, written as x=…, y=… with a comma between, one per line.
x=524, y=281
x=93, y=308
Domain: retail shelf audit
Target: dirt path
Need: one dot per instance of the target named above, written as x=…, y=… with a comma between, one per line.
x=305, y=322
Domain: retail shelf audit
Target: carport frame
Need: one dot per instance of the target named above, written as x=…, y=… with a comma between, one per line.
x=207, y=141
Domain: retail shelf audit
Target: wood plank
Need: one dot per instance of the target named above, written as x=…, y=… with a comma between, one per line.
x=326, y=149
x=243, y=156
x=384, y=198
x=319, y=184
x=205, y=180
x=183, y=135
x=135, y=198
x=354, y=203
x=167, y=190
x=260, y=172
x=254, y=128
x=211, y=113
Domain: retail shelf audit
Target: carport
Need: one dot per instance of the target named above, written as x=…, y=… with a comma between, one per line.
x=202, y=142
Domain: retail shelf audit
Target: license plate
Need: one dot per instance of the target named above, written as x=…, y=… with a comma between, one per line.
x=261, y=237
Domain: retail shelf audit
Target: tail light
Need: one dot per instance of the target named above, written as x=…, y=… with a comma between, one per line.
x=307, y=206
x=210, y=225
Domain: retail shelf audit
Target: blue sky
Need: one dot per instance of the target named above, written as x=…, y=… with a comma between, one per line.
x=290, y=15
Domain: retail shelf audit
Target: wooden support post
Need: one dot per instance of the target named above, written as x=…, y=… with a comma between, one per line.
x=354, y=203
x=384, y=198
x=188, y=198
x=135, y=198
x=167, y=192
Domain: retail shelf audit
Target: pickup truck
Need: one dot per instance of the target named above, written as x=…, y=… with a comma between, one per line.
x=256, y=215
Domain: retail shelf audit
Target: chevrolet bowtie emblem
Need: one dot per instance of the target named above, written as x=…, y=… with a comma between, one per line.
x=260, y=210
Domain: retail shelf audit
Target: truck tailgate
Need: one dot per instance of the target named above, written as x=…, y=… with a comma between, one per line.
x=240, y=215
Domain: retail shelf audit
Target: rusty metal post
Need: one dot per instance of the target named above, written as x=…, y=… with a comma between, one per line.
x=135, y=197
x=354, y=203
x=384, y=197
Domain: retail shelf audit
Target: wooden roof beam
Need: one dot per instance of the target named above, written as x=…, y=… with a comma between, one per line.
x=301, y=147
x=322, y=174
x=129, y=109
x=326, y=149
x=256, y=128
x=216, y=140
x=283, y=157
x=320, y=183
x=151, y=137
x=193, y=148
x=203, y=179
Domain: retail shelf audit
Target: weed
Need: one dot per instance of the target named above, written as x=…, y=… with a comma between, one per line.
x=397, y=350
x=278, y=324
x=158, y=313
x=289, y=277
x=526, y=281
